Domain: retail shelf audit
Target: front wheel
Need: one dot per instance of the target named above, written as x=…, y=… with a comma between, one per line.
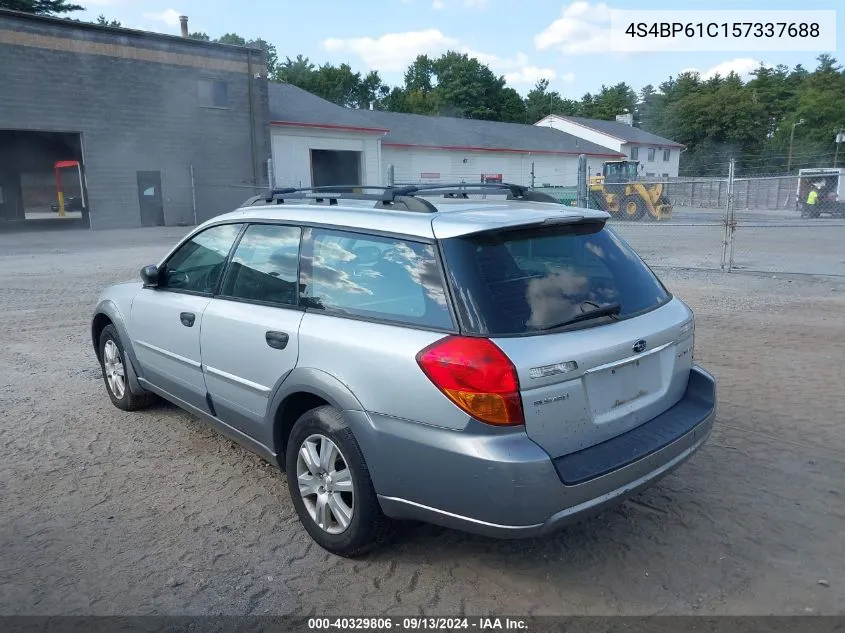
x=114, y=374
x=330, y=485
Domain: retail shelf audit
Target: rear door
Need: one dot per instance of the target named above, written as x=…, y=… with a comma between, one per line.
x=587, y=382
x=250, y=331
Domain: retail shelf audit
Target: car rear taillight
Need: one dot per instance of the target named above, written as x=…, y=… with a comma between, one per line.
x=475, y=375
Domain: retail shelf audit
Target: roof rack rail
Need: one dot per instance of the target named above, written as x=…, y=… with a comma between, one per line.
x=462, y=189
x=384, y=197
x=408, y=196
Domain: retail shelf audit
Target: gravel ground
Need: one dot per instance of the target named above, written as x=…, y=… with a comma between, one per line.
x=106, y=512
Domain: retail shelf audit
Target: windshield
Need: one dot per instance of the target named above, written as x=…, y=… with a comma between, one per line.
x=530, y=281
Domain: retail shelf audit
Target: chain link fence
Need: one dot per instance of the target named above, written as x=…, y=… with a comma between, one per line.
x=731, y=223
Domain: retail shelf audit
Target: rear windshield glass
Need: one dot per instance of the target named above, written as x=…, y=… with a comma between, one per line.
x=531, y=281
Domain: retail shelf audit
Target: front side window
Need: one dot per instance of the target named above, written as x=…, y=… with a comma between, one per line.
x=530, y=281
x=377, y=277
x=196, y=266
x=635, y=152
x=651, y=152
x=666, y=153
x=265, y=265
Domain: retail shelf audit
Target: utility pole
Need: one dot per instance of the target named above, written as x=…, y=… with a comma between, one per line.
x=791, y=139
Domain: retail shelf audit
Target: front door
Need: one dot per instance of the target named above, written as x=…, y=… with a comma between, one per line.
x=150, y=199
x=250, y=331
x=165, y=322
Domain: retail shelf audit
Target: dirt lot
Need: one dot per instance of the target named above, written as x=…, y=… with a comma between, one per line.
x=104, y=512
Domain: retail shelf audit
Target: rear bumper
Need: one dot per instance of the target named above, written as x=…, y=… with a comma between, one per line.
x=502, y=484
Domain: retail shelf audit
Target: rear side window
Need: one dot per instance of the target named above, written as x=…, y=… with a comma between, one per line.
x=527, y=281
x=376, y=277
x=265, y=265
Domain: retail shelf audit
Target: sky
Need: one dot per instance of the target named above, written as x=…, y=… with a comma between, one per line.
x=524, y=40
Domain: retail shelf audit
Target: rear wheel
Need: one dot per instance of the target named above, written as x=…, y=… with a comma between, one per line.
x=330, y=485
x=632, y=208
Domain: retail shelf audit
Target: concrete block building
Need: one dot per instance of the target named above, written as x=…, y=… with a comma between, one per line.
x=152, y=129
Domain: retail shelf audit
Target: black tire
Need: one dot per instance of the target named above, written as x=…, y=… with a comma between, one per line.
x=369, y=527
x=128, y=400
x=634, y=202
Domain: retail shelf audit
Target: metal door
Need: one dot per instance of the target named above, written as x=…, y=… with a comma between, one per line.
x=150, y=199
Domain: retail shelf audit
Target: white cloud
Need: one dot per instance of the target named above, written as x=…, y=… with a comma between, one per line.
x=169, y=16
x=742, y=66
x=583, y=28
x=518, y=70
x=393, y=51
x=438, y=4
x=475, y=4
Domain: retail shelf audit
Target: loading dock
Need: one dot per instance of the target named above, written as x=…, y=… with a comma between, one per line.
x=31, y=166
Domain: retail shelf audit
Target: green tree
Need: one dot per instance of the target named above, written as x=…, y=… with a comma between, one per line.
x=420, y=75
x=540, y=102
x=203, y=37
x=102, y=21
x=613, y=100
x=466, y=87
x=41, y=7
x=231, y=38
x=371, y=90
x=511, y=106
x=298, y=72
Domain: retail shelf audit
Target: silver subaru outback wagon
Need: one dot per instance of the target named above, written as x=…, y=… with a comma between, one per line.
x=479, y=358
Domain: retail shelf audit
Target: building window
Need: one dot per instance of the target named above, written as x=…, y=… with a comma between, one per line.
x=213, y=93
x=635, y=152
x=666, y=153
x=651, y=151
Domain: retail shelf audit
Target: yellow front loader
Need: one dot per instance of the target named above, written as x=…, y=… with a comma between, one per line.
x=618, y=192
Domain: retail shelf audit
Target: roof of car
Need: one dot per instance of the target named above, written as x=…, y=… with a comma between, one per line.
x=452, y=219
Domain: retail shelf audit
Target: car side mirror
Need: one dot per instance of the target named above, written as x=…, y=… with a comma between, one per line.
x=150, y=276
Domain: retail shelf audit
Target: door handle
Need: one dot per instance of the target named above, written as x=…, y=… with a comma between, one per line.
x=277, y=340
x=187, y=318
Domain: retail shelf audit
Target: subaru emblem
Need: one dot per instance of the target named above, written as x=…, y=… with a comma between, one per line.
x=639, y=347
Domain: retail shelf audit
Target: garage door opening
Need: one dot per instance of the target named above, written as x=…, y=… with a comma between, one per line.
x=42, y=181
x=335, y=168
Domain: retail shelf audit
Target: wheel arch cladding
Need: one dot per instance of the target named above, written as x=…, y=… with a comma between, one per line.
x=302, y=390
x=287, y=413
x=98, y=324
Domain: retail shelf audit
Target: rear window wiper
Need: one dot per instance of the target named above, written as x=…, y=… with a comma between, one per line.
x=608, y=309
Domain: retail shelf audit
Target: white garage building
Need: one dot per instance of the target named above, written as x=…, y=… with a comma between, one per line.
x=316, y=143
x=659, y=157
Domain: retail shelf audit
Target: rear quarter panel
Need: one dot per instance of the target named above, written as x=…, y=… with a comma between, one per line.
x=377, y=363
